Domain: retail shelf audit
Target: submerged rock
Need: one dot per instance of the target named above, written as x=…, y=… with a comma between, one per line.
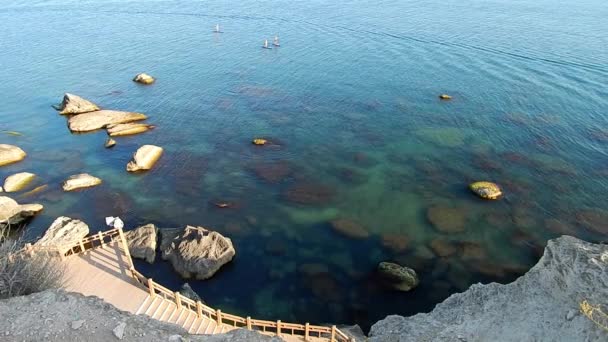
x=10, y=154
x=486, y=190
x=119, y=130
x=110, y=143
x=196, y=252
x=349, y=228
x=83, y=180
x=18, y=181
x=101, y=119
x=74, y=104
x=309, y=193
x=143, y=78
x=64, y=232
x=13, y=213
x=398, y=277
x=272, y=172
x=447, y=219
x=443, y=248
x=145, y=158
x=534, y=307
x=142, y=242
x=397, y=243
x=594, y=219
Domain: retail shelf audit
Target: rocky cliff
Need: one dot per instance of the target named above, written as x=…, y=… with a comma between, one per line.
x=542, y=305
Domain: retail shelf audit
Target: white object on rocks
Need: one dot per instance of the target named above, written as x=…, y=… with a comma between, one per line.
x=114, y=222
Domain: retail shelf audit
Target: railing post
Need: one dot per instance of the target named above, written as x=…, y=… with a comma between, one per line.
x=279, y=328
x=178, y=300
x=333, y=333
x=248, y=320
x=306, y=331
x=199, y=309
x=151, y=287
x=81, y=246
x=218, y=316
x=125, y=246
x=100, y=237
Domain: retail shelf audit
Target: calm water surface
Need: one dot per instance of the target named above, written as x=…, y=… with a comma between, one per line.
x=350, y=99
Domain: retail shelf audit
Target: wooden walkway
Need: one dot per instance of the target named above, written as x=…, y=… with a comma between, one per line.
x=106, y=271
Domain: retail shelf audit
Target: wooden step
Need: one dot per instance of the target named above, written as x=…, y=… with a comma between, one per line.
x=182, y=317
x=201, y=329
x=159, y=309
x=217, y=329
x=143, y=305
x=174, y=315
x=168, y=312
x=155, y=303
x=194, y=323
x=209, y=328
x=191, y=317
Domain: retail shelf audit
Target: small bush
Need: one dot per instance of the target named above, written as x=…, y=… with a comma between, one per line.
x=22, y=273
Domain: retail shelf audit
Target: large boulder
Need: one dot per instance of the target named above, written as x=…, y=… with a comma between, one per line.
x=398, y=277
x=18, y=181
x=10, y=154
x=64, y=232
x=145, y=158
x=83, y=180
x=143, y=78
x=101, y=119
x=545, y=304
x=13, y=213
x=196, y=252
x=119, y=130
x=142, y=242
x=74, y=104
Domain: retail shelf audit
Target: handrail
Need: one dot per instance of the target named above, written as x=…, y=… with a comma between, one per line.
x=332, y=333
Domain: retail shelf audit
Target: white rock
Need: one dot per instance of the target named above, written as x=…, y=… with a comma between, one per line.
x=64, y=231
x=18, y=181
x=101, y=119
x=143, y=78
x=119, y=130
x=12, y=213
x=10, y=154
x=74, y=104
x=119, y=330
x=145, y=158
x=83, y=180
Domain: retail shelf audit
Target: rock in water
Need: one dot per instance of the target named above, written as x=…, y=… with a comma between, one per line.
x=196, y=251
x=445, y=97
x=10, y=154
x=83, y=180
x=145, y=158
x=119, y=130
x=12, y=213
x=101, y=119
x=18, y=181
x=144, y=78
x=349, y=228
x=447, y=219
x=142, y=242
x=188, y=292
x=486, y=190
x=533, y=307
x=399, y=277
x=110, y=143
x=259, y=141
x=64, y=232
x=74, y=104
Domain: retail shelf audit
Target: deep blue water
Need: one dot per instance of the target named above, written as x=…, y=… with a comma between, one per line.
x=351, y=100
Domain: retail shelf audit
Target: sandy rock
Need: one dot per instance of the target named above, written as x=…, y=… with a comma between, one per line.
x=64, y=231
x=12, y=213
x=196, y=251
x=10, y=154
x=83, y=180
x=101, y=119
x=144, y=78
x=398, y=277
x=110, y=143
x=535, y=307
x=145, y=158
x=486, y=190
x=18, y=181
x=349, y=229
x=119, y=130
x=74, y=104
x=142, y=242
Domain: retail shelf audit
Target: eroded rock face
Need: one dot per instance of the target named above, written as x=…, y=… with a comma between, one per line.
x=10, y=154
x=83, y=180
x=74, y=104
x=13, y=213
x=196, y=252
x=101, y=119
x=18, y=181
x=145, y=158
x=64, y=232
x=119, y=130
x=542, y=305
x=143, y=78
x=142, y=242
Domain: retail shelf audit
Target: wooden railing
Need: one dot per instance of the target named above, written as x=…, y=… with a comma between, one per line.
x=279, y=328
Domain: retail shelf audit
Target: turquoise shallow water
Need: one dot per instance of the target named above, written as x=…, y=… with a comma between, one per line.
x=351, y=99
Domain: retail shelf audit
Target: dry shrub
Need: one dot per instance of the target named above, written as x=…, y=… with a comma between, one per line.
x=24, y=273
